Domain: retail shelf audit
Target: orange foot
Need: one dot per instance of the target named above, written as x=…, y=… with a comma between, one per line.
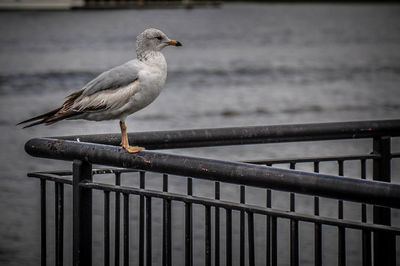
x=133, y=149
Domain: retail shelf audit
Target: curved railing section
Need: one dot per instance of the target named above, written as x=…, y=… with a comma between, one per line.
x=104, y=149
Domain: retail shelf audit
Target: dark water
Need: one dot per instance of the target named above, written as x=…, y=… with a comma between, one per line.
x=244, y=64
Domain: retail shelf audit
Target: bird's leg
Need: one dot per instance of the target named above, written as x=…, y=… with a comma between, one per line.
x=125, y=143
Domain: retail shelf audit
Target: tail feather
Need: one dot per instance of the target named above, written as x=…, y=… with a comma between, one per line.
x=42, y=116
x=51, y=118
x=41, y=121
x=58, y=114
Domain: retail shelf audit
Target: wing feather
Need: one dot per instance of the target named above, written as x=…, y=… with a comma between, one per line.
x=111, y=90
x=114, y=78
x=106, y=99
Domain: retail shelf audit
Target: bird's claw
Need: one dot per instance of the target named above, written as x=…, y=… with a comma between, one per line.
x=133, y=149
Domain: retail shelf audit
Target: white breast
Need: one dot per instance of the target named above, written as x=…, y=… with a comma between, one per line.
x=151, y=81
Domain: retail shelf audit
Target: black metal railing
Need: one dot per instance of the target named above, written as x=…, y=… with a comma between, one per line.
x=378, y=237
x=102, y=4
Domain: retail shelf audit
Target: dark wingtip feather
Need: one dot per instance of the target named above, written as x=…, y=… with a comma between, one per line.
x=42, y=117
x=28, y=120
x=55, y=115
x=35, y=123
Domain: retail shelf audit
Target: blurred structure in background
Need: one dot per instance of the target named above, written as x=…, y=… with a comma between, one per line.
x=99, y=4
x=40, y=4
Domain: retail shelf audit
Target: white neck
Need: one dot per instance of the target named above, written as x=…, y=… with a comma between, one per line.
x=153, y=58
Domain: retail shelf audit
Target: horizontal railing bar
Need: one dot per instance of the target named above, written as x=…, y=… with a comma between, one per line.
x=395, y=155
x=51, y=177
x=315, y=159
x=267, y=161
x=97, y=171
x=249, y=135
x=240, y=207
x=365, y=191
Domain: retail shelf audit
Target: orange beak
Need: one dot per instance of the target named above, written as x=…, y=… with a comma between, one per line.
x=174, y=43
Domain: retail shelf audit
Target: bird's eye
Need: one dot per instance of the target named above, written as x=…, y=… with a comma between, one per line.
x=159, y=38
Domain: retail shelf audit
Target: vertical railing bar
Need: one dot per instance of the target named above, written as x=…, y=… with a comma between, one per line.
x=268, y=231
x=117, y=220
x=208, y=235
x=363, y=205
x=126, y=229
x=59, y=221
x=268, y=226
x=106, y=228
x=43, y=222
x=384, y=242
x=292, y=195
x=82, y=214
x=317, y=228
x=242, y=227
x=164, y=223
x=166, y=255
x=366, y=256
x=250, y=229
x=366, y=234
x=169, y=233
x=56, y=225
x=148, y=232
x=217, y=231
x=189, y=226
x=274, y=241
x=341, y=229
x=228, y=237
x=142, y=176
x=294, y=229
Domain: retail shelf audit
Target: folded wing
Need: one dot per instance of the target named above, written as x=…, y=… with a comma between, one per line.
x=109, y=91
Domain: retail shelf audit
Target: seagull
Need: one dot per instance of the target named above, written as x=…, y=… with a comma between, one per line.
x=120, y=91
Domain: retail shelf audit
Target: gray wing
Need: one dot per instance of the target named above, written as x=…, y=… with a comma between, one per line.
x=114, y=78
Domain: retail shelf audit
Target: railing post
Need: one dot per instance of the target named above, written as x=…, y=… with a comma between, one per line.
x=43, y=223
x=82, y=214
x=384, y=243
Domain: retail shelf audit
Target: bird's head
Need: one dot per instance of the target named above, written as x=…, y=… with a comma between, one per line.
x=153, y=40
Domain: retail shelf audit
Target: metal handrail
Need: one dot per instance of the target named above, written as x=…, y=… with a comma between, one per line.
x=97, y=149
x=249, y=135
x=373, y=192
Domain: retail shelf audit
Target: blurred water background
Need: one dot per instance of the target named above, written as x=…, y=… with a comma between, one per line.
x=241, y=64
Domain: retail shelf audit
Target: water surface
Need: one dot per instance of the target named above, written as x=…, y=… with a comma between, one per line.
x=244, y=64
